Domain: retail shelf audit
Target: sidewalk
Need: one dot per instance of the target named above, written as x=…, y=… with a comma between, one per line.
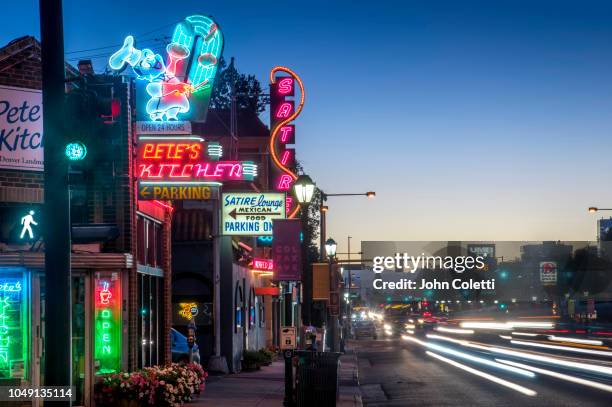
x=266, y=387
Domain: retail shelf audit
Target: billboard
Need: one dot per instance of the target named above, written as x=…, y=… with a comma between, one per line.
x=605, y=230
x=286, y=250
x=548, y=272
x=251, y=213
x=21, y=129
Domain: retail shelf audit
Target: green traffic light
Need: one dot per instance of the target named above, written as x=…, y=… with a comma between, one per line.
x=75, y=151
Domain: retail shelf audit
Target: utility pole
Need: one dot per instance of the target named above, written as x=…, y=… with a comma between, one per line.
x=56, y=230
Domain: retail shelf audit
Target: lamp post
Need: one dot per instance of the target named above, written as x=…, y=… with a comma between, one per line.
x=593, y=209
x=330, y=250
x=303, y=189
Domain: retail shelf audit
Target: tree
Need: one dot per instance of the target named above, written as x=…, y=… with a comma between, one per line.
x=246, y=88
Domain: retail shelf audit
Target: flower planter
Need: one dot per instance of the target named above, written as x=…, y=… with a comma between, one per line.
x=129, y=403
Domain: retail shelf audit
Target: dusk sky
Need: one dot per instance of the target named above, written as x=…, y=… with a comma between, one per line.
x=473, y=121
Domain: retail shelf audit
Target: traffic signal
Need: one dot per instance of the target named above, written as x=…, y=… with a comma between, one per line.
x=75, y=151
x=92, y=113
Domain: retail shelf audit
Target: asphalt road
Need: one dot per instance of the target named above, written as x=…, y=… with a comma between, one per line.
x=396, y=372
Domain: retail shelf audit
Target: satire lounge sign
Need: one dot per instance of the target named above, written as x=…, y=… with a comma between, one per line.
x=21, y=142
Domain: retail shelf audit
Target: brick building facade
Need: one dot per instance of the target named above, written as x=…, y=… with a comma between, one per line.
x=121, y=252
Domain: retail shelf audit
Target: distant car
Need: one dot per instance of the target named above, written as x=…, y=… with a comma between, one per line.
x=426, y=321
x=180, y=349
x=364, y=329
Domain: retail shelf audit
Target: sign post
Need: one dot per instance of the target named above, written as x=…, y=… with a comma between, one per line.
x=287, y=345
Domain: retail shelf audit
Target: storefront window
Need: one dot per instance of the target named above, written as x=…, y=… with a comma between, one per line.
x=150, y=305
x=107, y=323
x=78, y=338
x=14, y=325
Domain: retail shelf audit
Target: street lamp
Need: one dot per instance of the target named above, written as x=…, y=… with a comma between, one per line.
x=330, y=248
x=303, y=189
x=593, y=209
x=370, y=194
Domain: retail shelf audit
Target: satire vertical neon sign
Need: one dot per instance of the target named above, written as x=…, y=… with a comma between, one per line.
x=283, y=112
x=107, y=323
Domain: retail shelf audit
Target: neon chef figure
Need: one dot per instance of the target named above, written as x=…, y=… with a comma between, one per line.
x=27, y=221
x=191, y=66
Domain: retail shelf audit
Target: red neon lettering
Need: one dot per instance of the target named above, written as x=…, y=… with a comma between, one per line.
x=145, y=171
x=284, y=182
x=284, y=110
x=236, y=171
x=285, y=86
x=285, y=133
x=171, y=151
x=288, y=203
x=285, y=157
x=202, y=170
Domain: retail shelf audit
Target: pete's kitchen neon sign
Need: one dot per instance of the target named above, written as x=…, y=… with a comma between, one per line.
x=283, y=112
x=175, y=159
x=107, y=303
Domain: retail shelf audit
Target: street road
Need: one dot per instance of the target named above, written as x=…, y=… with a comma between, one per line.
x=398, y=372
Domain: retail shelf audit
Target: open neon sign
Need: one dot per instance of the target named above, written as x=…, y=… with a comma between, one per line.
x=107, y=304
x=13, y=332
x=173, y=159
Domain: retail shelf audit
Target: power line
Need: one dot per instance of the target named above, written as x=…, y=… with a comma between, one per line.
x=108, y=54
x=118, y=45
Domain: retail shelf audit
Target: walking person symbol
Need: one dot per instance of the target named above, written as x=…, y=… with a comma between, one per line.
x=27, y=221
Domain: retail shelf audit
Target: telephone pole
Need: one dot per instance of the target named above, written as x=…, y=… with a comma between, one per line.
x=56, y=229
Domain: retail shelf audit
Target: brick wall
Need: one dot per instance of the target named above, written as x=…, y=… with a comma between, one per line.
x=20, y=67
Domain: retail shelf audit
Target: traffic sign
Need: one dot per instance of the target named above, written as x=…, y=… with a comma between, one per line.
x=288, y=338
x=251, y=213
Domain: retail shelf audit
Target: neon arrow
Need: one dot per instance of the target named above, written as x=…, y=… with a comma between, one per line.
x=144, y=192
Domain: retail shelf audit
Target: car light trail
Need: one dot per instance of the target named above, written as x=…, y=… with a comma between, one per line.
x=523, y=334
x=554, y=361
x=505, y=337
x=524, y=324
x=531, y=356
x=469, y=357
x=486, y=325
x=484, y=375
x=563, y=348
x=575, y=340
x=506, y=325
x=561, y=376
x=454, y=330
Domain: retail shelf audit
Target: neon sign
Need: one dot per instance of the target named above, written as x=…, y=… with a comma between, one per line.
x=283, y=112
x=263, y=265
x=14, y=333
x=187, y=75
x=107, y=302
x=188, y=310
x=174, y=159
